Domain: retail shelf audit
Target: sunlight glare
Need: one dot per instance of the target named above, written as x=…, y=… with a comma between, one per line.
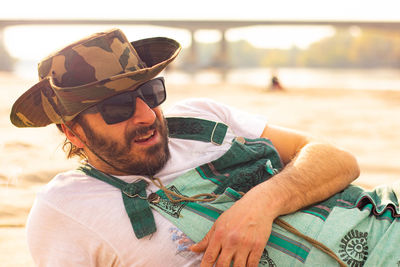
x=36, y=42
x=207, y=36
x=281, y=37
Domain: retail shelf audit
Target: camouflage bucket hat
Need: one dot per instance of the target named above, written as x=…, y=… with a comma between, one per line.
x=89, y=71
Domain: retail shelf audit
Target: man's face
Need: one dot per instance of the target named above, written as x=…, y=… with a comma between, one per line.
x=137, y=146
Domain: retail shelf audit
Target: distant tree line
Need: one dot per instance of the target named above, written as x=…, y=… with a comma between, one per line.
x=368, y=49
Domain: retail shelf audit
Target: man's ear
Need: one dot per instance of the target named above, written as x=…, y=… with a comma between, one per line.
x=72, y=135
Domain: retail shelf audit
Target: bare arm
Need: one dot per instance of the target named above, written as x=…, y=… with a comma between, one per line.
x=313, y=171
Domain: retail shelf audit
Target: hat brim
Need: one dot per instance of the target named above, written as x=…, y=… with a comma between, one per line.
x=46, y=103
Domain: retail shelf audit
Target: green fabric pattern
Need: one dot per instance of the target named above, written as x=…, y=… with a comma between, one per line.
x=247, y=163
x=348, y=223
x=362, y=228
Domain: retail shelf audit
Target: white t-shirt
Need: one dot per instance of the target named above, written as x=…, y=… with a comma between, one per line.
x=77, y=220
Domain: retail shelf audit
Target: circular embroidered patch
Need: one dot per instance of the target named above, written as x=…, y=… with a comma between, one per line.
x=354, y=248
x=266, y=260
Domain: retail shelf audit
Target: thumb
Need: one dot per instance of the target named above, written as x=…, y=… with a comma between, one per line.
x=203, y=244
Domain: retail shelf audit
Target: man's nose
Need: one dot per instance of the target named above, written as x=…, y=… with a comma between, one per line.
x=143, y=113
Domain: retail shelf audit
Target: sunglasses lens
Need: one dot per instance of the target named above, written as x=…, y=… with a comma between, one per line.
x=121, y=107
x=153, y=92
x=118, y=108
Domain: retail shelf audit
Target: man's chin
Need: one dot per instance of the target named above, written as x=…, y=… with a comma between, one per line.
x=145, y=168
x=150, y=161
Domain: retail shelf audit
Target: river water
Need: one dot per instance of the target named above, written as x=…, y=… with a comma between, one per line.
x=358, y=79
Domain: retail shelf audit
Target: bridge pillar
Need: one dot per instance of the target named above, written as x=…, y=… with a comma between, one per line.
x=191, y=59
x=221, y=59
x=6, y=62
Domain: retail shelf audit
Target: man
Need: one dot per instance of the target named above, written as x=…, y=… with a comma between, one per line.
x=103, y=93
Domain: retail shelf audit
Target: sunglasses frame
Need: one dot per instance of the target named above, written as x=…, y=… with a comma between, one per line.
x=138, y=92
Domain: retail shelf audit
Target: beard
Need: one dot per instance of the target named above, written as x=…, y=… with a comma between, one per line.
x=119, y=156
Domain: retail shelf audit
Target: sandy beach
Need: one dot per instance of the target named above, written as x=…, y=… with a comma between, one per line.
x=363, y=122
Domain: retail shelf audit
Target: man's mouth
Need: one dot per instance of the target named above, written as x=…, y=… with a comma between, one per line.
x=145, y=138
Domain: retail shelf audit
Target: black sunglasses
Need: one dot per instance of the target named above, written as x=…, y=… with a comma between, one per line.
x=121, y=107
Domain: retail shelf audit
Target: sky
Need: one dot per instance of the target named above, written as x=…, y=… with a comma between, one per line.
x=34, y=43
x=212, y=9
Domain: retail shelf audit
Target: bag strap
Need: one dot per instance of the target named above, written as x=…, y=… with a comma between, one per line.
x=197, y=129
x=135, y=200
x=134, y=194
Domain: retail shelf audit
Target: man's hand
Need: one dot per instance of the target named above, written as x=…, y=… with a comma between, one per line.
x=313, y=171
x=239, y=235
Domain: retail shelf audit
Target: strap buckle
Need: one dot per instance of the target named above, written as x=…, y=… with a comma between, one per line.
x=212, y=134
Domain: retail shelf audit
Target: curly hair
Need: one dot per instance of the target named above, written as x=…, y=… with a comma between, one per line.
x=69, y=148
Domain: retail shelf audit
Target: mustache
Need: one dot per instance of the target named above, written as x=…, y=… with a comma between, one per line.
x=142, y=130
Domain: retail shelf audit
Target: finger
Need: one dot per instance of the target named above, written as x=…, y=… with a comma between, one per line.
x=215, y=247
x=233, y=249
x=239, y=261
x=211, y=254
x=225, y=259
x=254, y=257
x=202, y=245
x=241, y=255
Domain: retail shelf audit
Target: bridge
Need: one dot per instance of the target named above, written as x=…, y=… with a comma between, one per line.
x=192, y=26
